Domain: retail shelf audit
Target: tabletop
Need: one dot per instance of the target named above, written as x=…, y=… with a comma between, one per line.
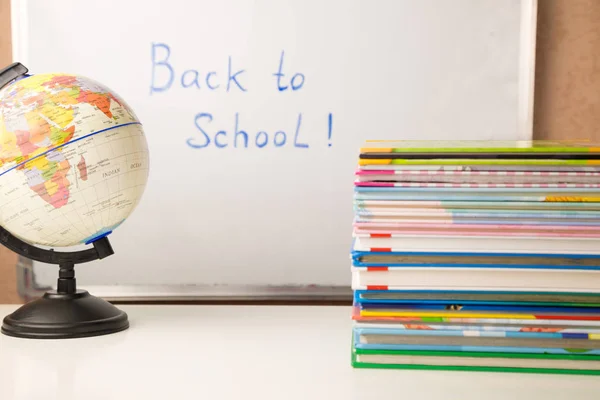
x=241, y=352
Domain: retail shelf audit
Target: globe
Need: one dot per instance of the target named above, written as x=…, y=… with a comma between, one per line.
x=73, y=160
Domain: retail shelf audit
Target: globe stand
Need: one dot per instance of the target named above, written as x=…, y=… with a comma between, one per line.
x=65, y=312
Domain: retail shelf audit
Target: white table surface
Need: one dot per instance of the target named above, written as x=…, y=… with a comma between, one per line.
x=242, y=352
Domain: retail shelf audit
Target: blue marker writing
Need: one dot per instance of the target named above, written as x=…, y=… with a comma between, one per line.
x=297, y=80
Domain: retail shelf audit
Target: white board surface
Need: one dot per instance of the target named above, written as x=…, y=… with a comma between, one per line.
x=218, y=212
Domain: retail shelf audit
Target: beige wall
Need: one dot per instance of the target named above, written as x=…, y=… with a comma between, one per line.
x=567, y=90
x=8, y=292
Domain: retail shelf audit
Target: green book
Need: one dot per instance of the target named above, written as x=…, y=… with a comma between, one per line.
x=480, y=146
x=573, y=364
x=480, y=152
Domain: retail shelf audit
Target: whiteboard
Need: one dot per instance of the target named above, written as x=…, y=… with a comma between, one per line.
x=255, y=111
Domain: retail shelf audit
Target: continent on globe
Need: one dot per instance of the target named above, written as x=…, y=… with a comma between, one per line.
x=81, y=165
x=67, y=144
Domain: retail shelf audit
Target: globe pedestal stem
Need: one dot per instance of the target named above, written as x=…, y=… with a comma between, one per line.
x=65, y=312
x=66, y=279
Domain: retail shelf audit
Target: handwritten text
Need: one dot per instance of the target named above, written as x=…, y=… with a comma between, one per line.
x=232, y=78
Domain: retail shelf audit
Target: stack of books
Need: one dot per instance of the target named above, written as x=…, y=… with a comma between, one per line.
x=477, y=256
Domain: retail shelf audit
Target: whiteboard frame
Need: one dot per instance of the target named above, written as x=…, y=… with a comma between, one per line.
x=529, y=10
x=29, y=289
x=183, y=292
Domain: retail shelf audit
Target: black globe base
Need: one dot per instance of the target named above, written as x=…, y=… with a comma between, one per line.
x=65, y=315
x=66, y=312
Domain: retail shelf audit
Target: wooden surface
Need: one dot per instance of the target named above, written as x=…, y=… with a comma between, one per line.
x=567, y=88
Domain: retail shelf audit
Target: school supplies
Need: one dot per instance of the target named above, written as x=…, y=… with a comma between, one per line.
x=481, y=256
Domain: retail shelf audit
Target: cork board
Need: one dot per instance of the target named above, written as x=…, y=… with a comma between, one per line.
x=567, y=87
x=8, y=260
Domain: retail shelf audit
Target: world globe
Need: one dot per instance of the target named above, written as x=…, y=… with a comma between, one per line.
x=73, y=160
